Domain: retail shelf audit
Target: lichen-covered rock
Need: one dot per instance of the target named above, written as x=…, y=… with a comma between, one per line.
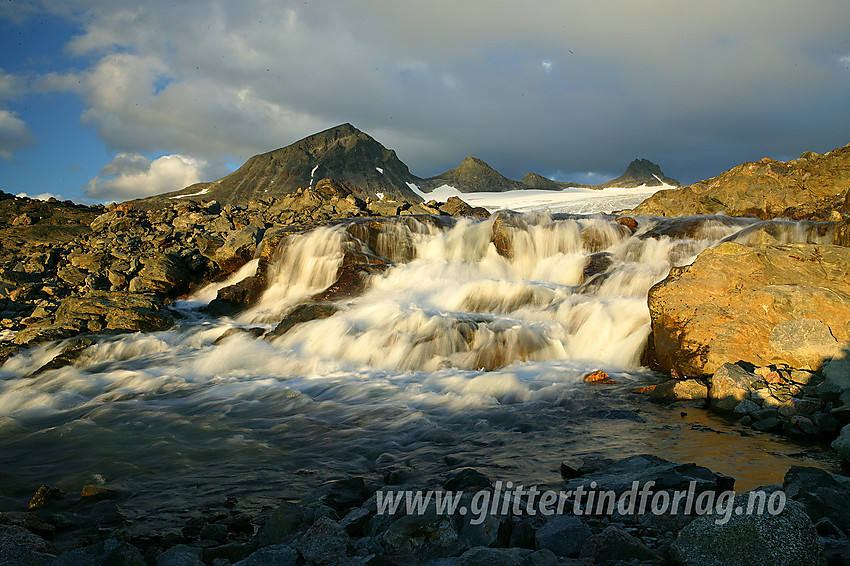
x=788, y=538
x=726, y=305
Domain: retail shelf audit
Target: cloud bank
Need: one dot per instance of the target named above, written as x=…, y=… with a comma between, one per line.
x=548, y=86
x=131, y=175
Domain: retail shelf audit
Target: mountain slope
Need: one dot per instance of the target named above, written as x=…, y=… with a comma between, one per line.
x=472, y=176
x=342, y=153
x=640, y=173
x=808, y=187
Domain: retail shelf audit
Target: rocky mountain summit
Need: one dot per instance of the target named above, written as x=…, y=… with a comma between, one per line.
x=641, y=173
x=811, y=186
x=471, y=176
x=370, y=170
x=342, y=153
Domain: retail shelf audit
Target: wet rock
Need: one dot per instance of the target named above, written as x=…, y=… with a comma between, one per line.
x=29, y=520
x=255, y=332
x=823, y=495
x=786, y=538
x=564, y=535
x=598, y=376
x=579, y=466
x=235, y=298
x=679, y=390
x=467, y=479
x=597, y=264
x=505, y=226
x=231, y=552
x=614, y=544
x=67, y=356
x=325, y=542
x=302, y=313
x=107, y=553
x=275, y=555
x=350, y=282
x=667, y=475
x=44, y=496
x=98, y=492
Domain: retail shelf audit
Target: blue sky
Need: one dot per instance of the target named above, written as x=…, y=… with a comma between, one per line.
x=110, y=99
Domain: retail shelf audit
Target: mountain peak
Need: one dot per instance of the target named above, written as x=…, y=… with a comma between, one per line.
x=473, y=175
x=642, y=172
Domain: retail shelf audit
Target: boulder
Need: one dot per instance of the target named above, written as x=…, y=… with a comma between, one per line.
x=822, y=494
x=106, y=553
x=485, y=556
x=679, y=390
x=564, y=535
x=325, y=542
x=788, y=537
x=302, y=313
x=163, y=274
x=729, y=386
x=238, y=248
x=842, y=444
x=614, y=544
x=732, y=299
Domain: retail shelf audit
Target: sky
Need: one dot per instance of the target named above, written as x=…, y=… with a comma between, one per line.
x=108, y=100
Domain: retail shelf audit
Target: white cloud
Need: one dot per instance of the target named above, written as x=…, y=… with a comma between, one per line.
x=130, y=176
x=224, y=81
x=42, y=196
x=14, y=134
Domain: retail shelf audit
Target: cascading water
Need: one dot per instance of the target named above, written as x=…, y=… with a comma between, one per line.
x=454, y=348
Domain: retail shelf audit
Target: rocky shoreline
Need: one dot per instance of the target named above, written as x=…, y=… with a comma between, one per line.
x=340, y=523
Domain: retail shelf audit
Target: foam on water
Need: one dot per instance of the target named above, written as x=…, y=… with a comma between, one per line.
x=457, y=347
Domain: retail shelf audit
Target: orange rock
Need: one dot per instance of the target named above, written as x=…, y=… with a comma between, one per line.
x=598, y=376
x=644, y=389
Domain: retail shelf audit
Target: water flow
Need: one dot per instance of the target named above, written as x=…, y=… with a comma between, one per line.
x=455, y=347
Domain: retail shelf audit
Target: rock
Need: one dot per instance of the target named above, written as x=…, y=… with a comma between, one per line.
x=485, y=556
x=766, y=189
x=728, y=302
x=340, y=495
x=597, y=264
x=29, y=520
x=163, y=274
x=101, y=310
x=284, y=521
x=823, y=495
x=729, y=385
x=505, y=225
x=620, y=475
x=180, y=555
x=769, y=424
x=275, y=555
x=803, y=336
x=17, y=542
x=468, y=479
x=69, y=354
x=614, y=544
x=234, y=298
x=300, y=314
x=238, y=249
x=564, y=535
x=98, y=492
x=842, y=444
x=746, y=407
x=679, y=390
x=415, y=538
x=598, y=376
x=579, y=466
x=110, y=552
x=45, y=495
x=325, y=542
x=758, y=540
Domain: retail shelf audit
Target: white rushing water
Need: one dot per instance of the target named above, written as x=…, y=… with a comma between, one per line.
x=453, y=345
